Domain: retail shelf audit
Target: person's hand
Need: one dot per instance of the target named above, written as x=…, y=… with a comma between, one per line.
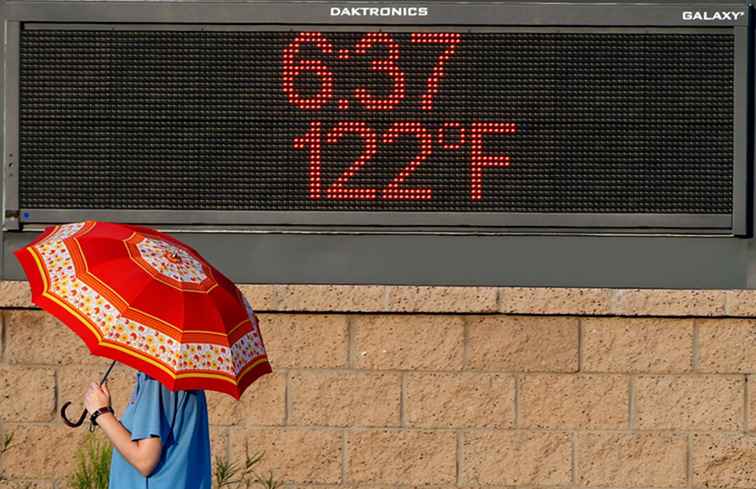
x=96, y=397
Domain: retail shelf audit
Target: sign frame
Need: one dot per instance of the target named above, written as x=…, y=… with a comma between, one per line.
x=502, y=222
x=574, y=257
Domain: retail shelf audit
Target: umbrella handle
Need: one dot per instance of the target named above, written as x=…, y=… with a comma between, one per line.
x=80, y=421
x=68, y=422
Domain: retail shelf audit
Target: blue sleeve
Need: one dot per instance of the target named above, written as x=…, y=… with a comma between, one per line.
x=153, y=412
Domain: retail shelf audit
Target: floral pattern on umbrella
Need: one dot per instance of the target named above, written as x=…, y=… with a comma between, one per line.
x=139, y=326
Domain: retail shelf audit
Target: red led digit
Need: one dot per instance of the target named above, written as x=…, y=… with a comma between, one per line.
x=339, y=190
x=451, y=40
x=387, y=66
x=480, y=161
x=292, y=68
x=443, y=135
x=393, y=191
x=311, y=142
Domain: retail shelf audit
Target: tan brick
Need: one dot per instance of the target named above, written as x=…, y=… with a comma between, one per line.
x=460, y=400
x=26, y=484
x=727, y=461
x=740, y=303
x=523, y=343
x=262, y=404
x=344, y=398
x=292, y=455
x=37, y=448
x=696, y=402
x=73, y=382
x=218, y=442
x=727, y=345
x=551, y=300
x=15, y=294
x=647, y=345
x=751, y=409
x=222, y=409
x=401, y=457
x=260, y=297
x=631, y=460
x=441, y=299
x=27, y=394
x=416, y=342
x=36, y=337
x=667, y=302
x=331, y=298
x=574, y=401
x=305, y=340
x=372, y=486
x=516, y=458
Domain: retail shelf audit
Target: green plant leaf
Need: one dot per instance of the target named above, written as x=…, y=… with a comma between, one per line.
x=7, y=440
x=92, y=464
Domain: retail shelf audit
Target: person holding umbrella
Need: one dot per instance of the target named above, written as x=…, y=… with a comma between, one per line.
x=162, y=436
x=143, y=298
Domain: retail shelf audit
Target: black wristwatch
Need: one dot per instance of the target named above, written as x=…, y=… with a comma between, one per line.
x=102, y=410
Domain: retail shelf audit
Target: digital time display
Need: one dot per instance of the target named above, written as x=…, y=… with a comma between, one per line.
x=365, y=120
x=449, y=135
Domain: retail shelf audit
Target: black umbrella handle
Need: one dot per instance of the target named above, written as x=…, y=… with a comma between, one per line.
x=80, y=421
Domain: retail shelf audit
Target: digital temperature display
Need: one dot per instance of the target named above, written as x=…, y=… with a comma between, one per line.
x=448, y=135
x=428, y=121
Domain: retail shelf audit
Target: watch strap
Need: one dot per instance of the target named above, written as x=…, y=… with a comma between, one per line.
x=102, y=410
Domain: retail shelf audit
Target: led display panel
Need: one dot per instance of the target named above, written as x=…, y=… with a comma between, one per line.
x=433, y=121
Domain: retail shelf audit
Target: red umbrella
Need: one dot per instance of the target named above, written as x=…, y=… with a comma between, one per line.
x=143, y=298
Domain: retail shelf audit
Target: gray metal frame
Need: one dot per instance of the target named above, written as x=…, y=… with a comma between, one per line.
x=345, y=255
x=2, y=117
x=10, y=160
x=714, y=222
x=540, y=13
x=271, y=256
x=740, y=144
x=505, y=222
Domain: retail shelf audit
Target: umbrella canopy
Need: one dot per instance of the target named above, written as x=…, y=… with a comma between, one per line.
x=145, y=299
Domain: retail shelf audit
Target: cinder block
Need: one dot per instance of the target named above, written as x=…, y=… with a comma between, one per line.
x=305, y=340
x=579, y=402
x=690, y=403
x=523, y=344
x=292, y=455
x=668, y=302
x=408, y=342
x=516, y=458
x=36, y=337
x=331, y=298
x=553, y=300
x=727, y=345
x=401, y=457
x=346, y=398
x=631, y=460
x=27, y=394
x=460, y=400
x=637, y=345
x=441, y=299
x=37, y=448
x=262, y=404
x=724, y=460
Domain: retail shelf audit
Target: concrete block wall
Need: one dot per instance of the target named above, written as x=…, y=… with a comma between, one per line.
x=442, y=387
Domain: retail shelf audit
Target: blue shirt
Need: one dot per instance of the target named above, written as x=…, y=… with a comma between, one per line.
x=180, y=420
